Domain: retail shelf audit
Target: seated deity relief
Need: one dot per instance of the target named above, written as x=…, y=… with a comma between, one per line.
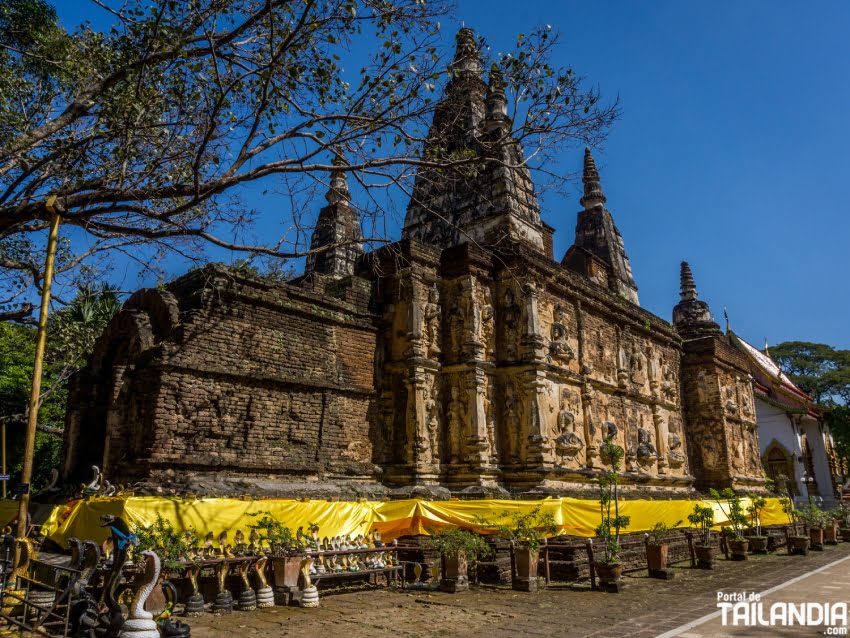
x=568, y=444
x=646, y=452
x=560, y=352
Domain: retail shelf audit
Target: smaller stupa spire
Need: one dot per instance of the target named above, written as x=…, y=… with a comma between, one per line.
x=338, y=191
x=691, y=316
x=688, y=287
x=337, y=240
x=593, y=195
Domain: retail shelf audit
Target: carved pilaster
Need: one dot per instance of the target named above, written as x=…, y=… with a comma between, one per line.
x=478, y=443
x=532, y=341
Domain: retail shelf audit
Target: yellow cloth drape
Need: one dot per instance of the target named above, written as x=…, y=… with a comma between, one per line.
x=392, y=519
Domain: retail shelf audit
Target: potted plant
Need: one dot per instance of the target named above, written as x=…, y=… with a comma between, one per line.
x=830, y=532
x=525, y=531
x=758, y=542
x=816, y=520
x=174, y=550
x=460, y=550
x=843, y=517
x=797, y=543
x=610, y=568
x=657, y=545
x=285, y=547
x=734, y=513
x=702, y=518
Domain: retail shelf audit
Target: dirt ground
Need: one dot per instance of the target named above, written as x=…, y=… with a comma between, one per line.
x=646, y=607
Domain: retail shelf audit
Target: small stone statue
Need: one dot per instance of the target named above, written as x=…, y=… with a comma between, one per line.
x=309, y=593
x=247, y=598
x=195, y=602
x=224, y=600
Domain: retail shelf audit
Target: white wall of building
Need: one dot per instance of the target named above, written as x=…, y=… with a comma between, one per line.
x=775, y=425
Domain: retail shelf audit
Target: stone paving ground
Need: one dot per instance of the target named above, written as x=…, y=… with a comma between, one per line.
x=645, y=608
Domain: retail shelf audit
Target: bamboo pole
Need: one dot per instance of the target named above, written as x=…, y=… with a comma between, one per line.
x=35, y=394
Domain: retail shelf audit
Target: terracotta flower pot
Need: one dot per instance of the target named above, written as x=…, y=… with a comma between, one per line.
x=738, y=548
x=609, y=574
x=525, y=564
x=286, y=570
x=656, y=557
x=758, y=544
x=705, y=556
x=799, y=545
x=455, y=575
x=816, y=536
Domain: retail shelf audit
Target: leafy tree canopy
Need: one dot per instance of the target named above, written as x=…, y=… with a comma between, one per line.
x=145, y=133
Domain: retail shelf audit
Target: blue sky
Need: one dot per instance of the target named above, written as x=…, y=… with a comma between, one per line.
x=732, y=151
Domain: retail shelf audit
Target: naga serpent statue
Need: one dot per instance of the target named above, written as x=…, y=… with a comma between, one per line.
x=171, y=628
x=122, y=538
x=140, y=623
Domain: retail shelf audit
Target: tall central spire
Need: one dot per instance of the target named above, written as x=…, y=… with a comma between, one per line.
x=491, y=199
x=598, y=251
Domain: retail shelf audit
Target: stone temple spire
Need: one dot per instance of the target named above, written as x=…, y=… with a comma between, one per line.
x=490, y=201
x=337, y=241
x=467, y=61
x=598, y=251
x=688, y=287
x=692, y=316
x=593, y=195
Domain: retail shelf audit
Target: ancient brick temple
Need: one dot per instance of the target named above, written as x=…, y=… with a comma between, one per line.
x=463, y=359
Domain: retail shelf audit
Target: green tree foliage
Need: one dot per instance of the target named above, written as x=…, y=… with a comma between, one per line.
x=146, y=131
x=71, y=334
x=823, y=372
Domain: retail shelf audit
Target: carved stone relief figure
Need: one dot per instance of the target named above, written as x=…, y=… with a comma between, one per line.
x=456, y=333
x=637, y=367
x=710, y=451
x=560, y=351
x=512, y=328
x=623, y=359
x=746, y=401
x=729, y=403
x=568, y=443
x=512, y=423
x=702, y=387
x=491, y=423
x=739, y=454
x=487, y=322
x=472, y=320
x=431, y=314
x=456, y=413
x=653, y=371
x=675, y=455
x=753, y=458
x=669, y=381
x=646, y=452
x=432, y=420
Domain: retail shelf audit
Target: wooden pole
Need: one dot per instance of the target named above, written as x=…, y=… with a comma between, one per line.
x=41, y=338
x=3, y=437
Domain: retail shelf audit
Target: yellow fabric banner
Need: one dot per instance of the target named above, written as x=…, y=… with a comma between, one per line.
x=392, y=519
